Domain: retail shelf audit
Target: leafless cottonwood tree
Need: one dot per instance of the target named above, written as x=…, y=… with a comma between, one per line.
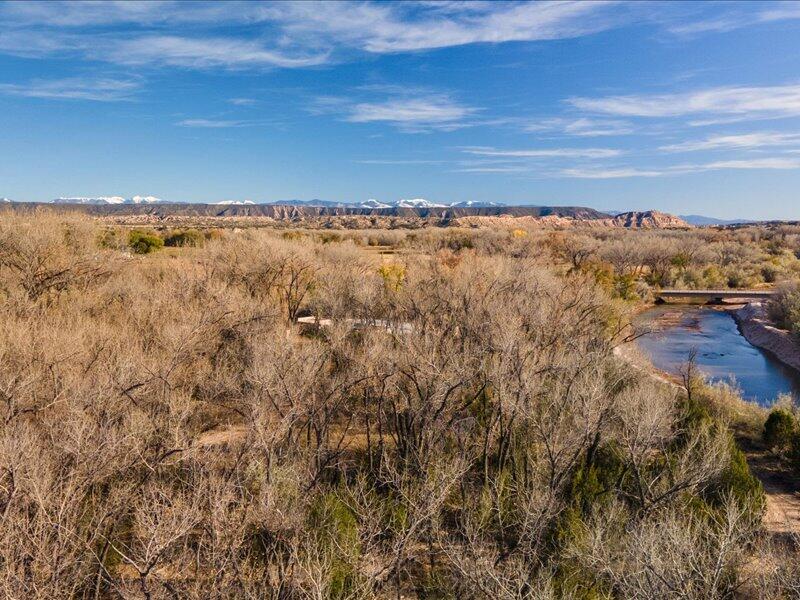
x=167, y=429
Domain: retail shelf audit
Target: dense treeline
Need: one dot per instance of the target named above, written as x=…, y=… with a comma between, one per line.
x=632, y=262
x=453, y=423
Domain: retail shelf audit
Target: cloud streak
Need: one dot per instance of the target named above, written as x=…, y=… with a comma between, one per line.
x=303, y=34
x=774, y=101
x=406, y=27
x=414, y=114
x=739, y=18
x=776, y=163
x=75, y=88
x=211, y=123
x=546, y=152
x=202, y=53
x=285, y=35
x=740, y=141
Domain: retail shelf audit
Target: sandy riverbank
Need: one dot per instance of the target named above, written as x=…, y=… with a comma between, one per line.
x=758, y=330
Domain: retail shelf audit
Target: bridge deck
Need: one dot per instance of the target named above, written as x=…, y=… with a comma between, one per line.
x=716, y=293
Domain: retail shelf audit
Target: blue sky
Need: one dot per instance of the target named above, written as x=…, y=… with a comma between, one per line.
x=682, y=107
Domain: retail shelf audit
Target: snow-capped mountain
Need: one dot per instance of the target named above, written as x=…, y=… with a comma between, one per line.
x=107, y=200
x=418, y=203
x=312, y=203
x=474, y=204
x=82, y=200
x=423, y=203
x=145, y=200
x=372, y=203
x=6, y=200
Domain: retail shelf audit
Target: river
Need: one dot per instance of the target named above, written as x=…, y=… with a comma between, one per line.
x=723, y=354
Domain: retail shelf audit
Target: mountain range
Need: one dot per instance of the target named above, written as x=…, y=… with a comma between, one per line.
x=107, y=200
x=371, y=204
x=317, y=203
x=703, y=221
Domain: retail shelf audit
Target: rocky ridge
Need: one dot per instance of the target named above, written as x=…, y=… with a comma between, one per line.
x=342, y=217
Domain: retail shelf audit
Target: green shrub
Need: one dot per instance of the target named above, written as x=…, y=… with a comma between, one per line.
x=794, y=451
x=681, y=260
x=769, y=274
x=329, y=237
x=459, y=242
x=739, y=483
x=625, y=286
x=142, y=242
x=736, y=279
x=713, y=277
x=779, y=430
x=336, y=531
x=110, y=239
x=188, y=238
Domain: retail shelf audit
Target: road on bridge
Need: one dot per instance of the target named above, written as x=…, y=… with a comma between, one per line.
x=716, y=295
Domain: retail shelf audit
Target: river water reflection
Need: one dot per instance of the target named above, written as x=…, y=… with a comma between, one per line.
x=723, y=354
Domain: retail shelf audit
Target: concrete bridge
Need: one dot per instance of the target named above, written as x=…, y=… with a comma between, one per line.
x=715, y=296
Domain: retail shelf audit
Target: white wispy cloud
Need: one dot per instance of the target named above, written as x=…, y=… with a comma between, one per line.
x=242, y=101
x=287, y=34
x=399, y=162
x=94, y=13
x=738, y=16
x=595, y=127
x=740, y=141
x=781, y=11
x=402, y=27
x=780, y=163
x=616, y=173
x=74, y=88
x=546, y=152
x=581, y=127
x=773, y=163
x=211, y=123
x=413, y=114
x=497, y=169
x=203, y=52
x=302, y=34
x=195, y=52
x=780, y=100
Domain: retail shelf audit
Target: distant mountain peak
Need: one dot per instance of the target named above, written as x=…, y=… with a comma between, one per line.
x=702, y=220
x=145, y=200
x=418, y=203
x=372, y=203
x=107, y=200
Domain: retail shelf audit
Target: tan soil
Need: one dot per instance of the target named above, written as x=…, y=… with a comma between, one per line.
x=758, y=330
x=782, y=489
x=225, y=435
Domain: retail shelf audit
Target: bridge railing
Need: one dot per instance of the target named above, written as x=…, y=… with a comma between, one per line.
x=727, y=292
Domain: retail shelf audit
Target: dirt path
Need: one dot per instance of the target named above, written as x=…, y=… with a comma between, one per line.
x=782, y=489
